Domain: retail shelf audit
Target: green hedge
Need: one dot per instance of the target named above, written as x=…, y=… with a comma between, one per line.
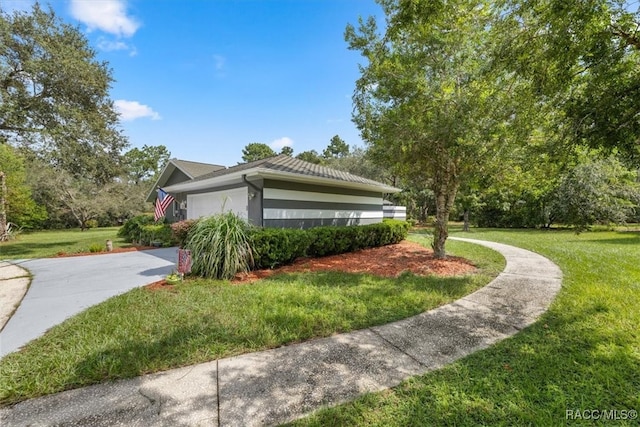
x=157, y=233
x=277, y=246
x=132, y=229
x=143, y=230
x=273, y=246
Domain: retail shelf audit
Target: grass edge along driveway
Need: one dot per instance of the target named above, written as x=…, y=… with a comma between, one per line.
x=142, y=331
x=578, y=365
x=51, y=243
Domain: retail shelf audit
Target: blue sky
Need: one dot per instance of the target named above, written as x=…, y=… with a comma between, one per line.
x=205, y=78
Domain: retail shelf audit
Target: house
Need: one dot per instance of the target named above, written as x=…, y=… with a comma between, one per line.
x=177, y=171
x=280, y=192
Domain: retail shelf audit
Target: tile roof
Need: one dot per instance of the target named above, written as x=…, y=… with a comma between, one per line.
x=196, y=169
x=284, y=163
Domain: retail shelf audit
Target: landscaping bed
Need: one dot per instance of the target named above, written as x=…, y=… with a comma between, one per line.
x=384, y=261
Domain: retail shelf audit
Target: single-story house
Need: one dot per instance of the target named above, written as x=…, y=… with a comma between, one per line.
x=279, y=191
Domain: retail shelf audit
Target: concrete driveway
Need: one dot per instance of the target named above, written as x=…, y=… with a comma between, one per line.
x=63, y=287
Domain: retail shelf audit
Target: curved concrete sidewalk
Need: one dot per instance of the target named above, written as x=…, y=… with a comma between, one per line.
x=279, y=385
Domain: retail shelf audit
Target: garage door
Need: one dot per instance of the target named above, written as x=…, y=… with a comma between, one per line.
x=207, y=204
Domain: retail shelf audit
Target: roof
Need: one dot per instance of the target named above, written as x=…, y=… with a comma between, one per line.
x=191, y=169
x=195, y=169
x=283, y=167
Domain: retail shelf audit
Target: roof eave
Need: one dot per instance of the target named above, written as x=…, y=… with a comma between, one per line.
x=164, y=176
x=206, y=183
x=331, y=182
x=274, y=174
x=170, y=167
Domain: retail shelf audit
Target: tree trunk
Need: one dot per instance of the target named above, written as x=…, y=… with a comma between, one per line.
x=465, y=226
x=445, y=189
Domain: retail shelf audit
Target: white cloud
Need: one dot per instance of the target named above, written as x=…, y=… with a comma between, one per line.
x=285, y=141
x=107, y=15
x=110, y=45
x=219, y=61
x=132, y=110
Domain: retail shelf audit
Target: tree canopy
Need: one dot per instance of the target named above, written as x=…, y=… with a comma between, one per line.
x=54, y=96
x=256, y=151
x=337, y=148
x=146, y=163
x=426, y=100
x=21, y=209
x=583, y=58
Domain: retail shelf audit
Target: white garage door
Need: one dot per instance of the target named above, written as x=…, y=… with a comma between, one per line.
x=207, y=204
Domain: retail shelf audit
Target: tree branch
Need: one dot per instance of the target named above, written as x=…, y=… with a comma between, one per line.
x=630, y=39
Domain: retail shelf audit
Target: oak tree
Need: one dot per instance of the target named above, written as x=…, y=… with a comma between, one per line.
x=54, y=96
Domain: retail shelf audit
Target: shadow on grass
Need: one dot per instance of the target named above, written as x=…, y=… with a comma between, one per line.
x=206, y=338
x=26, y=248
x=626, y=238
x=566, y=361
x=376, y=286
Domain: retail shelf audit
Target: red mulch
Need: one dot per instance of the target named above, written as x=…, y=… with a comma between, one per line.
x=159, y=285
x=386, y=261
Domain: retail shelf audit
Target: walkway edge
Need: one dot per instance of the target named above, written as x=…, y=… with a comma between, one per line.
x=275, y=386
x=14, y=283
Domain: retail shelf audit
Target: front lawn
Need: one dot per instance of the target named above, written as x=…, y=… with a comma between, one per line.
x=49, y=243
x=146, y=331
x=578, y=365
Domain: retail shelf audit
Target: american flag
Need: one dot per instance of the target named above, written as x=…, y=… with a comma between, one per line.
x=163, y=201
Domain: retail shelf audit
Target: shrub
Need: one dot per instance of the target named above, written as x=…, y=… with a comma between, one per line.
x=398, y=230
x=275, y=246
x=180, y=230
x=156, y=233
x=91, y=223
x=96, y=247
x=132, y=231
x=335, y=240
x=220, y=246
x=11, y=232
x=272, y=246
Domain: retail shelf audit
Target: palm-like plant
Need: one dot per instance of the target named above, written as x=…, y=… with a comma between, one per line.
x=220, y=246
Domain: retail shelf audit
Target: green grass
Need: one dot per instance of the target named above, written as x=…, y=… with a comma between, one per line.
x=44, y=244
x=583, y=354
x=202, y=320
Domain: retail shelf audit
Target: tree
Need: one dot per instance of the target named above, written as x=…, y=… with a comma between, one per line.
x=358, y=162
x=287, y=151
x=310, y=156
x=146, y=163
x=72, y=201
x=596, y=191
x=426, y=100
x=256, y=151
x=54, y=96
x=583, y=58
x=337, y=148
x=19, y=206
